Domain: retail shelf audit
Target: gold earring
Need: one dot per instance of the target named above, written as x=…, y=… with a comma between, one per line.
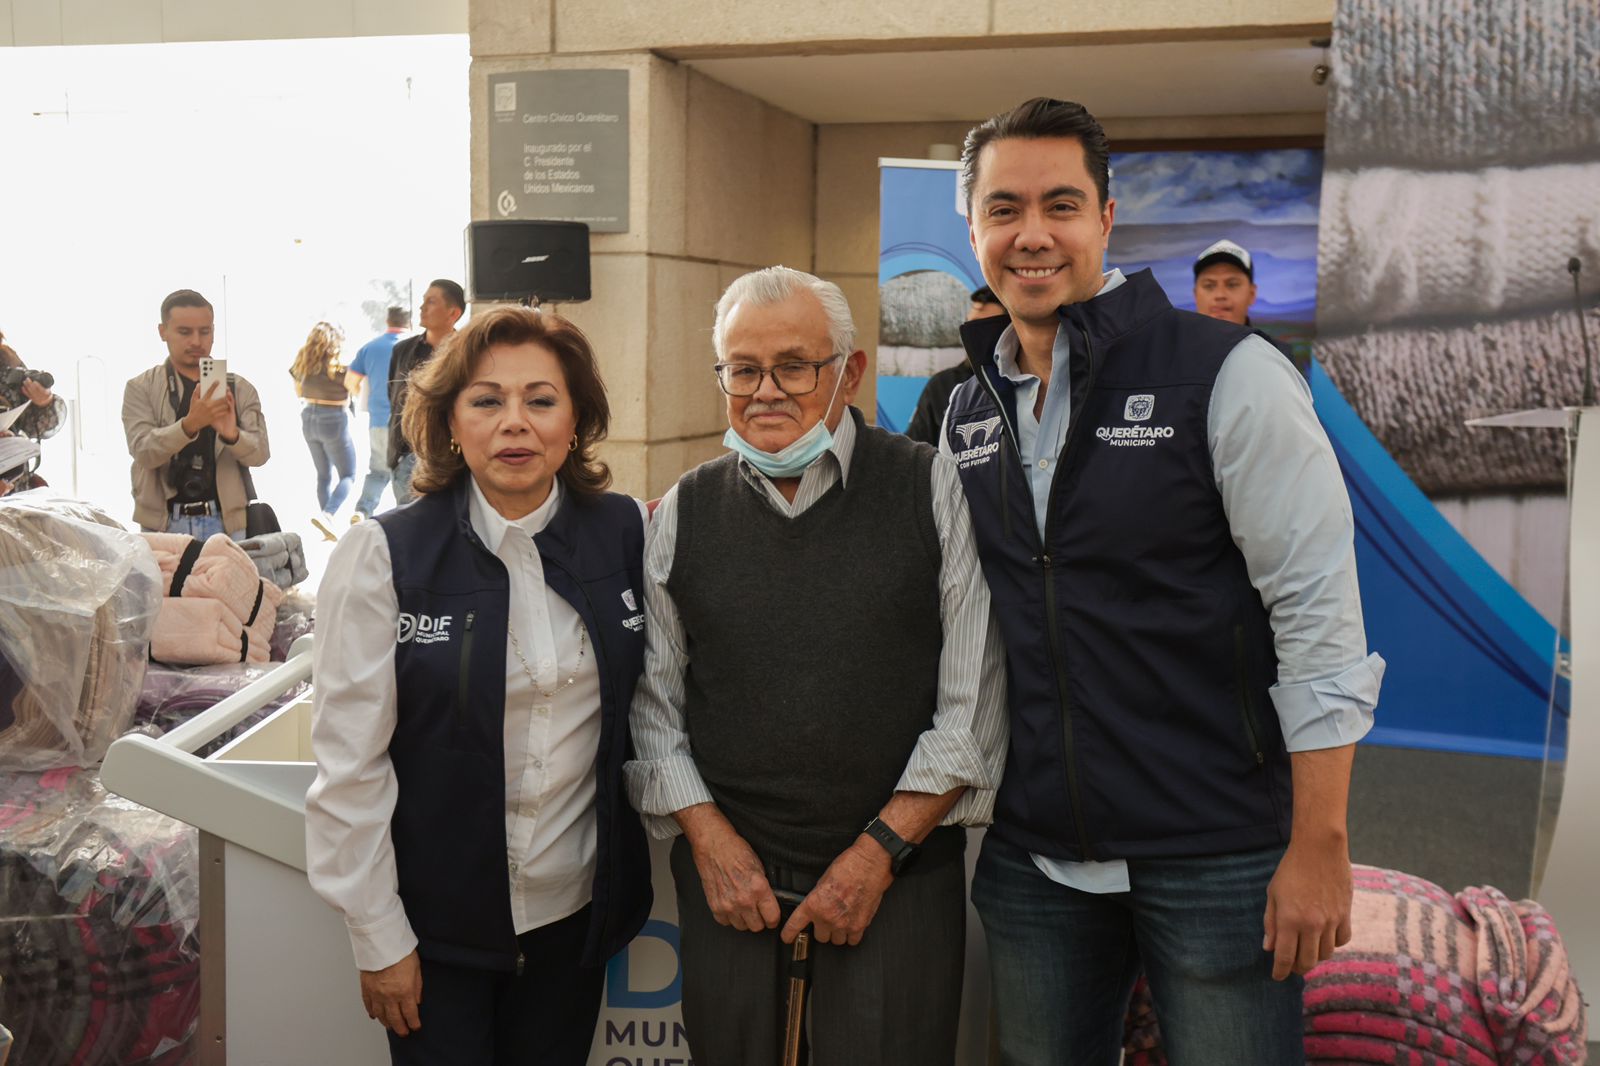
x=572, y=445
x=455, y=446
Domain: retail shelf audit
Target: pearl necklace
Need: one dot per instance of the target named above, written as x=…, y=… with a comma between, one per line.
x=516, y=646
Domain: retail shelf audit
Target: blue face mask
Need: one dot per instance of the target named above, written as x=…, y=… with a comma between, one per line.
x=793, y=459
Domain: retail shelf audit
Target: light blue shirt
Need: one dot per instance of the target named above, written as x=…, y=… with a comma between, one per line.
x=1290, y=515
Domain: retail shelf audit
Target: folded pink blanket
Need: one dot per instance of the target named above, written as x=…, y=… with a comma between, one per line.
x=196, y=632
x=169, y=549
x=224, y=572
x=1428, y=978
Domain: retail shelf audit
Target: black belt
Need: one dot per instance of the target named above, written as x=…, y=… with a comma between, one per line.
x=192, y=510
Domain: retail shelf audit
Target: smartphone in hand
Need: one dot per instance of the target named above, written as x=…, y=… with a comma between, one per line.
x=213, y=372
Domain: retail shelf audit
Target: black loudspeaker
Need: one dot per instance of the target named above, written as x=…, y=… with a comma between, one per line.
x=515, y=260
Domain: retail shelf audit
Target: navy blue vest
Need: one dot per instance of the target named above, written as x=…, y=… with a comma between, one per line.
x=448, y=748
x=1139, y=654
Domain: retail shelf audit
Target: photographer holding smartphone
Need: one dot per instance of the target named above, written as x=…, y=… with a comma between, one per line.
x=190, y=438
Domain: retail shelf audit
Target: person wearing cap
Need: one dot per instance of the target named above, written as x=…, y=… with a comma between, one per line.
x=929, y=415
x=1225, y=283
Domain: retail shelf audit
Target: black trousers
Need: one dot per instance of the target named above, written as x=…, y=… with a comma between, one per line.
x=474, y=1017
x=892, y=1000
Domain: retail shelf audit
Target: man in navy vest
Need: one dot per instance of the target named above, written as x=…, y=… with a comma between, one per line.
x=1169, y=544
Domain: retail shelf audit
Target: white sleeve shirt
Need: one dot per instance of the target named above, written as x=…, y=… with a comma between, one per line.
x=964, y=746
x=551, y=735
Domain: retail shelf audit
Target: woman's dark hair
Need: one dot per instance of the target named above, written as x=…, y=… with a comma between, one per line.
x=432, y=389
x=1036, y=119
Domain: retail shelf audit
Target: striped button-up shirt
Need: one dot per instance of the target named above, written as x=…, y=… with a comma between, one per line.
x=965, y=745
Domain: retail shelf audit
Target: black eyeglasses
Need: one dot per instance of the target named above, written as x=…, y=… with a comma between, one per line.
x=795, y=378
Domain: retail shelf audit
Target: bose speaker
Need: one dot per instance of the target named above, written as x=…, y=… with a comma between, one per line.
x=517, y=260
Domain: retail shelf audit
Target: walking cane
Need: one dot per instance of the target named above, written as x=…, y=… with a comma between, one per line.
x=799, y=972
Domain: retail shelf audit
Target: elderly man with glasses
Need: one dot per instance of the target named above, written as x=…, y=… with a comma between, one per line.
x=822, y=709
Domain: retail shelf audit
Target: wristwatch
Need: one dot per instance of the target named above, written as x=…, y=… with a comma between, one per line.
x=901, y=851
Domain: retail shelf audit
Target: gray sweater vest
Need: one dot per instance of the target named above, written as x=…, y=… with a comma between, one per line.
x=813, y=645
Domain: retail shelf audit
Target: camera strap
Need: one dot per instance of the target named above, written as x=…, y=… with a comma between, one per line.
x=204, y=444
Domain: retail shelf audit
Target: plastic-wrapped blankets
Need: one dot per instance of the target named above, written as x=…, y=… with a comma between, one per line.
x=172, y=696
x=78, y=601
x=99, y=901
x=296, y=616
x=217, y=608
x=279, y=557
x=1472, y=978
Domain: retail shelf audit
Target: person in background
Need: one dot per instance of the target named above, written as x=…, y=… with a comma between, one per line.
x=929, y=415
x=370, y=371
x=1225, y=288
x=443, y=304
x=319, y=381
x=475, y=659
x=189, y=451
x=1225, y=283
x=45, y=414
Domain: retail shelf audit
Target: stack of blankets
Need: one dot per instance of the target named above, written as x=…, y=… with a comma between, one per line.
x=1428, y=977
x=100, y=900
x=79, y=598
x=278, y=557
x=1463, y=155
x=217, y=608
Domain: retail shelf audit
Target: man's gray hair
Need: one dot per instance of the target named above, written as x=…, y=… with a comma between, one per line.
x=775, y=285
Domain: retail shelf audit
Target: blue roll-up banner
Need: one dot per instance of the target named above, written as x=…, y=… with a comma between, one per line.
x=1471, y=664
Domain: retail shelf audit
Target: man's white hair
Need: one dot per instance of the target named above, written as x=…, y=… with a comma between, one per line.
x=775, y=285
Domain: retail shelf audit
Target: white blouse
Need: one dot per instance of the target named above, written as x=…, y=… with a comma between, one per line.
x=550, y=741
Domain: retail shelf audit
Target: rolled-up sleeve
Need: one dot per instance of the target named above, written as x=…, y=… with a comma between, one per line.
x=1291, y=519
x=662, y=778
x=349, y=851
x=966, y=744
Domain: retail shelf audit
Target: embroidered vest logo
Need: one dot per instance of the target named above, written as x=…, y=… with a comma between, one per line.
x=1138, y=408
x=981, y=432
x=423, y=629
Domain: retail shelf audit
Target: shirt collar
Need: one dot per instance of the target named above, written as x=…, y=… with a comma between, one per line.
x=491, y=526
x=1005, y=350
x=843, y=446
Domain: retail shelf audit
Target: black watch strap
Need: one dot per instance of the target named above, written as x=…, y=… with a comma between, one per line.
x=901, y=851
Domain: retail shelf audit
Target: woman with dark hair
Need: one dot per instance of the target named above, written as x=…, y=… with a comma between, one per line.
x=324, y=421
x=476, y=656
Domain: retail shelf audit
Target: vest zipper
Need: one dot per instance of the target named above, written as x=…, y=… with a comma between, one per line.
x=464, y=674
x=1069, y=753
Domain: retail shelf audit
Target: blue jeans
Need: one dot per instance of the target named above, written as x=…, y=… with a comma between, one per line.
x=1063, y=962
x=404, y=467
x=327, y=433
x=199, y=526
x=378, y=472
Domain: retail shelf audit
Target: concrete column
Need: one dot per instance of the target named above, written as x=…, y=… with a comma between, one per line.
x=720, y=183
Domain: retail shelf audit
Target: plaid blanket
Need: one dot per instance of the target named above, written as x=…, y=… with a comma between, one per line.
x=1428, y=978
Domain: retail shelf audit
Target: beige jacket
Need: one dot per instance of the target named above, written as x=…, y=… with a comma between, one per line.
x=154, y=437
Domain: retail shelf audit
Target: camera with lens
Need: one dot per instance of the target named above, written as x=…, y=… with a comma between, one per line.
x=12, y=377
x=188, y=475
